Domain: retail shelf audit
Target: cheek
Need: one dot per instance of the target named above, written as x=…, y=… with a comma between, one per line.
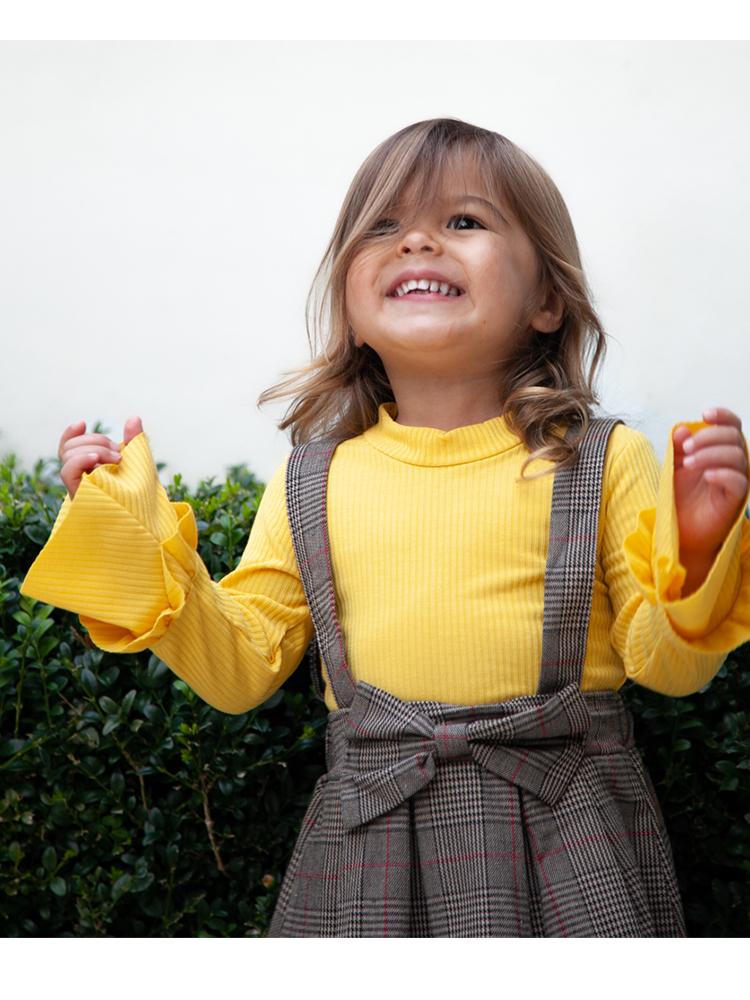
x=358, y=297
x=353, y=295
x=498, y=282
x=506, y=278
x=363, y=287
x=358, y=279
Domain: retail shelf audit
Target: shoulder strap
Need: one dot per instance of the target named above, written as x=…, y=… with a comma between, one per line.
x=571, y=560
x=306, y=496
x=312, y=657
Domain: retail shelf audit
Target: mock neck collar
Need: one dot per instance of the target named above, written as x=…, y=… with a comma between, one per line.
x=431, y=446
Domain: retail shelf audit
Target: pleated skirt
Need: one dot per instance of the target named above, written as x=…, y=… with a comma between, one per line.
x=473, y=854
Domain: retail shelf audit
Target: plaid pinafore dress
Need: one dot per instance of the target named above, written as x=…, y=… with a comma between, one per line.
x=529, y=817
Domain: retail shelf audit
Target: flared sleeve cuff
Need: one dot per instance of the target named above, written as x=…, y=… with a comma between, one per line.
x=716, y=616
x=121, y=555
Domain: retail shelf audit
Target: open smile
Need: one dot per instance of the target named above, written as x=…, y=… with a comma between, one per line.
x=420, y=295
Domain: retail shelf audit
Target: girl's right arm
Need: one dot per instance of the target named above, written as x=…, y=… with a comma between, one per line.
x=124, y=558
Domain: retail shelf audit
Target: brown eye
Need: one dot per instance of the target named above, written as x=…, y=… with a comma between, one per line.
x=468, y=218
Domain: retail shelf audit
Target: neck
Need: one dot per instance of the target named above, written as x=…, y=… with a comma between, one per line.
x=446, y=408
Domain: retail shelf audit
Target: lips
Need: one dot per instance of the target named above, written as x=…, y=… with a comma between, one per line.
x=415, y=275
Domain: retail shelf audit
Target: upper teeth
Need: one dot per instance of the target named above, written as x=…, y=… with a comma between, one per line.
x=426, y=285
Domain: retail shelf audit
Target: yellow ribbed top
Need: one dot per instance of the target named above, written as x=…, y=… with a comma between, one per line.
x=438, y=555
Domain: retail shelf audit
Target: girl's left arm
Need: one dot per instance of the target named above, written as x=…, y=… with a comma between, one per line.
x=676, y=553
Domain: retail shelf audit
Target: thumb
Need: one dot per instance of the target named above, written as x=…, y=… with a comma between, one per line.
x=133, y=427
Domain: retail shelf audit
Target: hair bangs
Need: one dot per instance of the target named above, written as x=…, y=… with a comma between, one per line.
x=419, y=183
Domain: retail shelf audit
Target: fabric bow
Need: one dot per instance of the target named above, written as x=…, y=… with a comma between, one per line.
x=538, y=746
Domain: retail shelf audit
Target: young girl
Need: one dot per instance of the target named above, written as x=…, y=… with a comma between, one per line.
x=475, y=622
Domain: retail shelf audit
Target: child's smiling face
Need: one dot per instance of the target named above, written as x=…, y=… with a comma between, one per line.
x=477, y=247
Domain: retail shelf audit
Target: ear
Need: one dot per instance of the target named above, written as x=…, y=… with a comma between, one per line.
x=549, y=315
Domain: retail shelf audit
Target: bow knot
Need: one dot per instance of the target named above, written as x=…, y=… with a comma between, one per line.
x=450, y=740
x=394, y=749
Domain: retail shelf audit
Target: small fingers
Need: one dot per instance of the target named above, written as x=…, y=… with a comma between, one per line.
x=70, y=431
x=84, y=459
x=710, y=436
x=721, y=415
x=87, y=457
x=716, y=457
x=82, y=441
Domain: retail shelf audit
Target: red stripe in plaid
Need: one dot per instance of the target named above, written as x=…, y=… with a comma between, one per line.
x=446, y=859
x=592, y=838
x=315, y=555
x=540, y=717
x=519, y=765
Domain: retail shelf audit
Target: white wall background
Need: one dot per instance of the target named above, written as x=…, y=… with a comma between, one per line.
x=164, y=205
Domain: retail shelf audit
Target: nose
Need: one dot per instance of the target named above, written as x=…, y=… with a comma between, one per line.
x=416, y=239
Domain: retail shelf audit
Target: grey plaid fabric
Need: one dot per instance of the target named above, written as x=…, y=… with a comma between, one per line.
x=529, y=817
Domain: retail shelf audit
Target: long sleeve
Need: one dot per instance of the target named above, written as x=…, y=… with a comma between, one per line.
x=669, y=643
x=123, y=556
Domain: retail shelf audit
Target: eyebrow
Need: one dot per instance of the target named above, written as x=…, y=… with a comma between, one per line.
x=483, y=201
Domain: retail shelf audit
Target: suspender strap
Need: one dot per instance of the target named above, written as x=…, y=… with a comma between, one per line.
x=306, y=493
x=571, y=560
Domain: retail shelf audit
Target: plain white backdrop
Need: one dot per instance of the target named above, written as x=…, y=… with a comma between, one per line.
x=164, y=205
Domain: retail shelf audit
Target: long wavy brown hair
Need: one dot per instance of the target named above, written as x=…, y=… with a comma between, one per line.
x=546, y=387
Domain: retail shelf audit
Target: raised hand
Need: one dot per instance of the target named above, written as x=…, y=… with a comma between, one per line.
x=80, y=452
x=710, y=487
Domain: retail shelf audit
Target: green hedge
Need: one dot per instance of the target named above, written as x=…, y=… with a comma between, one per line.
x=129, y=807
